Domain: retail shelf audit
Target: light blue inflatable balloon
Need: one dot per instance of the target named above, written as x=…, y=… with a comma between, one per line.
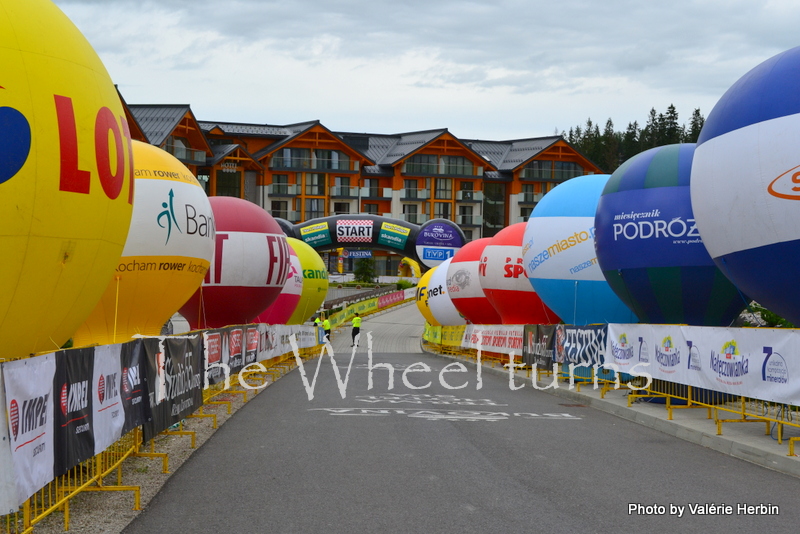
x=560, y=258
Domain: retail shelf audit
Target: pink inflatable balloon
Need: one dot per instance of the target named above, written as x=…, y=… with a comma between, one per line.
x=282, y=309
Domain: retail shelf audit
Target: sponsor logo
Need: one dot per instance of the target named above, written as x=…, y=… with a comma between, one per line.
x=107, y=388
x=437, y=253
x=439, y=232
x=787, y=185
x=729, y=363
x=659, y=228
x=560, y=246
x=30, y=417
x=74, y=397
x=513, y=268
x=621, y=349
x=316, y=234
x=775, y=369
x=252, y=339
x=644, y=352
x=459, y=281
x=393, y=235
x=315, y=274
x=667, y=354
x=166, y=219
x=354, y=231
x=213, y=347
x=130, y=379
x=694, y=361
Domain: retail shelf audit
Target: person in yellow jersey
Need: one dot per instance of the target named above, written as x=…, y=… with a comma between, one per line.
x=326, y=326
x=356, y=329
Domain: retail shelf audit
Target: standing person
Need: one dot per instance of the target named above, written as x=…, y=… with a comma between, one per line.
x=326, y=326
x=356, y=328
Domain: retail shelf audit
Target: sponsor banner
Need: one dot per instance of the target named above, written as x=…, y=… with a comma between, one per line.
x=316, y=235
x=134, y=388
x=561, y=248
x=108, y=412
x=354, y=231
x=452, y=336
x=440, y=234
x=391, y=298
x=746, y=362
x=410, y=293
x=354, y=254
x=8, y=488
x=73, y=422
x=628, y=345
x=29, y=409
x=538, y=345
x=580, y=345
x=432, y=334
x=223, y=350
x=250, y=344
x=393, y=235
x=174, y=367
x=503, y=339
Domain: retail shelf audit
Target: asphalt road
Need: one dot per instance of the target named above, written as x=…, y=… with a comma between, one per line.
x=482, y=458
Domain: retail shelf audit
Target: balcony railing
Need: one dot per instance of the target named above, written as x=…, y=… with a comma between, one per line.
x=279, y=162
x=414, y=195
x=277, y=190
x=376, y=192
x=344, y=191
x=469, y=196
x=469, y=220
x=415, y=218
x=530, y=198
x=186, y=155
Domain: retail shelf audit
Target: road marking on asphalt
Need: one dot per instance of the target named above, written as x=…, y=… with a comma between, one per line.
x=449, y=415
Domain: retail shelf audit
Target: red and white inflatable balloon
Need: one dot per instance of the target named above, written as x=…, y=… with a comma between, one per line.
x=464, y=285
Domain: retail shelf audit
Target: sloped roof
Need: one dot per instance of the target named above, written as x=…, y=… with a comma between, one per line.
x=223, y=151
x=259, y=130
x=158, y=121
x=508, y=155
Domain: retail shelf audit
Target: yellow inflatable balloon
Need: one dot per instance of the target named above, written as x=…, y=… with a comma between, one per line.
x=408, y=268
x=315, y=281
x=66, y=184
x=168, y=252
x=422, y=298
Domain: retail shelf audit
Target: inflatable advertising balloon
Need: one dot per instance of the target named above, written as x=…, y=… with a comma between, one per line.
x=439, y=298
x=649, y=248
x=168, y=252
x=408, y=268
x=281, y=310
x=464, y=285
x=315, y=282
x=560, y=259
x=422, y=298
x=505, y=281
x=251, y=261
x=66, y=180
x=745, y=179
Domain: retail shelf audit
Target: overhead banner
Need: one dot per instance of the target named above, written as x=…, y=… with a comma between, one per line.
x=74, y=414
x=502, y=339
x=174, y=373
x=430, y=243
x=752, y=362
x=29, y=409
x=538, y=345
x=8, y=489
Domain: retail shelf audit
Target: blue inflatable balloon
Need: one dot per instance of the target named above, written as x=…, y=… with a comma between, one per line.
x=650, y=250
x=560, y=257
x=745, y=181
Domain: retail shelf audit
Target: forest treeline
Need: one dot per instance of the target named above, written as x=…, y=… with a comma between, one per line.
x=609, y=148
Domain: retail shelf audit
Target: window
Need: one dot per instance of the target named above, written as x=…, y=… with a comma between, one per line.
x=441, y=210
x=538, y=169
x=372, y=209
x=422, y=164
x=373, y=187
x=411, y=189
x=467, y=235
x=567, y=169
x=467, y=189
x=315, y=184
x=457, y=165
x=465, y=215
x=525, y=214
x=315, y=208
x=292, y=158
x=341, y=208
x=280, y=184
x=528, y=190
x=279, y=208
x=332, y=159
x=229, y=184
x=410, y=213
x=444, y=188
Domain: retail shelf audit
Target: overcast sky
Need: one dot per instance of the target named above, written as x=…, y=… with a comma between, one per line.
x=488, y=69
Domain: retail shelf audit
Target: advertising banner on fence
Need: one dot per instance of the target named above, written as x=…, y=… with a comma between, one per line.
x=29, y=408
x=452, y=336
x=174, y=371
x=580, y=345
x=503, y=339
x=749, y=362
x=538, y=344
x=73, y=438
x=134, y=390
x=390, y=299
x=108, y=413
x=8, y=489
